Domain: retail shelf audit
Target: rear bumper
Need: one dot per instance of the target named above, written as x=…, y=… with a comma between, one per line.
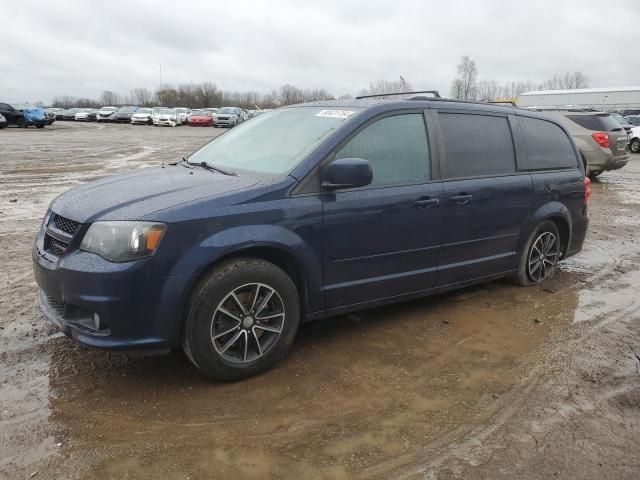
x=601, y=161
x=578, y=235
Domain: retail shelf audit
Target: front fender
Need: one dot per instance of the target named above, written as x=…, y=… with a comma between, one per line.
x=235, y=240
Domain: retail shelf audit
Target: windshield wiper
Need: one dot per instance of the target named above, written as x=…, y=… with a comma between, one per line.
x=185, y=162
x=211, y=168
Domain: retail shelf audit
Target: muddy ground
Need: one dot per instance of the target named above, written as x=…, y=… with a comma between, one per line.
x=494, y=381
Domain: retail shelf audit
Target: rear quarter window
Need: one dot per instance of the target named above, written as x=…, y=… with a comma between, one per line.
x=476, y=145
x=547, y=145
x=585, y=121
x=608, y=123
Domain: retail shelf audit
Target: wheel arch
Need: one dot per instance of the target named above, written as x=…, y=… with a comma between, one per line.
x=557, y=213
x=275, y=254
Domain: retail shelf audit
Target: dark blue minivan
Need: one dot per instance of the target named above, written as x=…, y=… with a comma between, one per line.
x=305, y=212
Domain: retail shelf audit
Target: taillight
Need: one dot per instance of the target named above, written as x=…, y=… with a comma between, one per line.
x=587, y=190
x=601, y=138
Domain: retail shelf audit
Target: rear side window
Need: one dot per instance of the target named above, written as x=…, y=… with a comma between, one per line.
x=396, y=147
x=584, y=121
x=547, y=146
x=605, y=123
x=608, y=123
x=476, y=145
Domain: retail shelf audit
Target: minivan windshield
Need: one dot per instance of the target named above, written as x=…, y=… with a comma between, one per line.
x=272, y=143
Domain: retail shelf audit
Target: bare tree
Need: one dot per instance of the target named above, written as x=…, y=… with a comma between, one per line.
x=109, y=98
x=488, y=91
x=464, y=86
x=387, y=86
x=141, y=97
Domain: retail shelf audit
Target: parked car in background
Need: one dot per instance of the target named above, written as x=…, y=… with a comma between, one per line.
x=306, y=212
x=624, y=123
x=86, y=115
x=168, y=117
x=634, y=140
x=142, y=117
x=70, y=114
x=23, y=115
x=601, y=139
x=106, y=114
x=212, y=110
x=58, y=112
x=3, y=121
x=633, y=120
x=155, y=114
x=11, y=114
x=182, y=114
x=228, y=117
x=50, y=116
x=124, y=114
x=201, y=118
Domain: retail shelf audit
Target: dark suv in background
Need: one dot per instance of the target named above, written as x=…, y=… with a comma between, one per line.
x=305, y=212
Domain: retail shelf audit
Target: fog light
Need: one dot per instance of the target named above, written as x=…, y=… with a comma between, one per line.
x=96, y=321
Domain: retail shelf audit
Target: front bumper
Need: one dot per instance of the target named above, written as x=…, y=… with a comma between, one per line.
x=135, y=310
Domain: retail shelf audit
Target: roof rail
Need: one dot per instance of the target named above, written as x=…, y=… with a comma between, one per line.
x=551, y=108
x=435, y=94
x=503, y=102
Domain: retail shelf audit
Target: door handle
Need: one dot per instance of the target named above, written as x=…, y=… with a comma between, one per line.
x=461, y=198
x=426, y=202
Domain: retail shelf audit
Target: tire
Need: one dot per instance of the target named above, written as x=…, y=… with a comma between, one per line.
x=39, y=126
x=21, y=123
x=594, y=175
x=228, y=343
x=634, y=146
x=529, y=275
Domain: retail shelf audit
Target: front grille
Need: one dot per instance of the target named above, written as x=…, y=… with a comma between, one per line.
x=64, y=224
x=54, y=246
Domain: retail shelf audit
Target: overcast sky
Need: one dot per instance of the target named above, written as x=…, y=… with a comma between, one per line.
x=81, y=48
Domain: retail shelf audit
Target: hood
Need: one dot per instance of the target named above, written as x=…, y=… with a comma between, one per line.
x=143, y=114
x=106, y=112
x=124, y=114
x=132, y=196
x=226, y=114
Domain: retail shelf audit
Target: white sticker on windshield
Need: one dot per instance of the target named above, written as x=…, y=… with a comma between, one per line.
x=335, y=113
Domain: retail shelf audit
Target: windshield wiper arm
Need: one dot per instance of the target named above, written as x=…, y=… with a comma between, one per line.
x=211, y=168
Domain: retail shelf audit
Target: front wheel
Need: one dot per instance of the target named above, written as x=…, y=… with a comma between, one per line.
x=540, y=256
x=242, y=319
x=635, y=145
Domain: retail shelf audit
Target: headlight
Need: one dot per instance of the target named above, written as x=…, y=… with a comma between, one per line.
x=123, y=241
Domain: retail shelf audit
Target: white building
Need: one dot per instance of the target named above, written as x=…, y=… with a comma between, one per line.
x=608, y=99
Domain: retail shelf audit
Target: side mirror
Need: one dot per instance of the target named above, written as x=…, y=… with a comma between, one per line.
x=347, y=173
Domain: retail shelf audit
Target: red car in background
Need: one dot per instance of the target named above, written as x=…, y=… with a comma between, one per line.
x=200, y=118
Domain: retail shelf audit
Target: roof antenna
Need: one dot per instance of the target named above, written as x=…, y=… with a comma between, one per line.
x=160, y=118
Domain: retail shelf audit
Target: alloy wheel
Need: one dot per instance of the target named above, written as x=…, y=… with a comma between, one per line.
x=543, y=257
x=247, y=323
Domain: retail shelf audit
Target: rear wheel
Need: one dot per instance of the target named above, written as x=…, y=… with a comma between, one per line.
x=635, y=145
x=594, y=175
x=539, y=258
x=242, y=319
x=20, y=122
